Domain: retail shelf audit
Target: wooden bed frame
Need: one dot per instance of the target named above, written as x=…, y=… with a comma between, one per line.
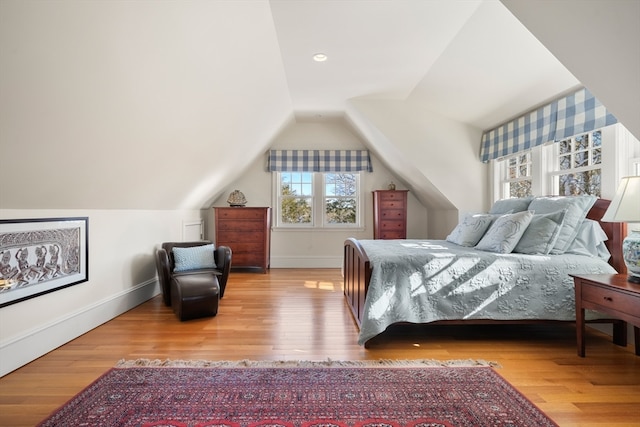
x=357, y=267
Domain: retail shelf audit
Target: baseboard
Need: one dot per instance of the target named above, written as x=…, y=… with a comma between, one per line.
x=306, y=262
x=23, y=349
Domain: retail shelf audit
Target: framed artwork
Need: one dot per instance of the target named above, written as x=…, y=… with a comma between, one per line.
x=41, y=255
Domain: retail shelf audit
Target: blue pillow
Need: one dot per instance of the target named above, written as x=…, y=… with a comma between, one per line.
x=471, y=229
x=506, y=206
x=505, y=232
x=577, y=208
x=194, y=258
x=541, y=234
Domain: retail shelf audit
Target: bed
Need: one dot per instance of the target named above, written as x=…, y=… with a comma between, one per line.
x=455, y=280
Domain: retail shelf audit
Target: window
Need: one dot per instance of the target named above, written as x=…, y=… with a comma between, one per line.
x=296, y=198
x=317, y=200
x=589, y=163
x=340, y=198
x=517, y=179
x=577, y=166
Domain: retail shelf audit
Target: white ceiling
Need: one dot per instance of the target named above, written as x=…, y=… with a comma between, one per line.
x=469, y=60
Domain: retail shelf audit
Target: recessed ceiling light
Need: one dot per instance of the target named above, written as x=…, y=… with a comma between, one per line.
x=319, y=57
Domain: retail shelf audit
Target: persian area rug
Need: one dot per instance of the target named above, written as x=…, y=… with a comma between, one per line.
x=415, y=393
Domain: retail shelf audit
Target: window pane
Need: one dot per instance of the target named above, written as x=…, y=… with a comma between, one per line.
x=565, y=146
x=296, y=183
x=524, y=158
x=597, y=156
x=306, y=189
x=596, y=139
x=340, y=184
x=579, y=183
x=520, y=188
x=581, y=159
x=296, y=210
x=582, y=142
x=512, y=173
x=341, y=211
x=340, y=203
x=330, y=189
x=565, y=162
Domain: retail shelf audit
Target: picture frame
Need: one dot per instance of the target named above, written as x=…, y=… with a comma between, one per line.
x=42, y=255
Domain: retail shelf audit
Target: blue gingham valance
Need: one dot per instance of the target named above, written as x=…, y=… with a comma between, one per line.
x=319, y=161
x=571, y=115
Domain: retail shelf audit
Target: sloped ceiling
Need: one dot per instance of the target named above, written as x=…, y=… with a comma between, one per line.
x=599, y=41
x=160, y=105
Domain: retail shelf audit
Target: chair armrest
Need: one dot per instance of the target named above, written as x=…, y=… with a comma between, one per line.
x=222, y=257
x=164, y=275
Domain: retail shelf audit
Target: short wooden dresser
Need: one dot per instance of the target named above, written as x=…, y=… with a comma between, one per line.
x=247, y=231
x=390, y=214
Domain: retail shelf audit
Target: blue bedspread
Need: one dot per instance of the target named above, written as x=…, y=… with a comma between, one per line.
x=422, y=281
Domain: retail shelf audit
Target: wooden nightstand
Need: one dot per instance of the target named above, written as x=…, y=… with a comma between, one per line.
x=610, y=294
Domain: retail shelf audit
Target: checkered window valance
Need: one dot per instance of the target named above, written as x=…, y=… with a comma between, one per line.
x=571, y=115
x=319, y=161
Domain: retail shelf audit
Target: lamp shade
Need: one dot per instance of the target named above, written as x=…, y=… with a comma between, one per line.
x=625, y=206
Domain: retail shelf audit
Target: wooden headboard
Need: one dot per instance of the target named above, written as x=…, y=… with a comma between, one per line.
x=616, y=231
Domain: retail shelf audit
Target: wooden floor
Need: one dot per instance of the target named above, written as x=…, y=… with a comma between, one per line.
x=300, y=314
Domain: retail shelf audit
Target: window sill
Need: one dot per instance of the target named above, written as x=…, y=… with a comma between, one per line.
x=317, y=229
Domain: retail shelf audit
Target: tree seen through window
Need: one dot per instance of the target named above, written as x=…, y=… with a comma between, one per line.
x=302, y=195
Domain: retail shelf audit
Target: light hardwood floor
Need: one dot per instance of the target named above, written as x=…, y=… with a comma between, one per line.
x=300, y=314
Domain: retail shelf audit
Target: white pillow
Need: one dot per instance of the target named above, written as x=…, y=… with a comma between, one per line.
x=590, y=241
x=471, y=229
x=505, y=232
x=577, y=208
x=541, y=234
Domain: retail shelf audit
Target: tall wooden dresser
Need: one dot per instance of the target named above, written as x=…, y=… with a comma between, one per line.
x=247, y=231
x=390, y=214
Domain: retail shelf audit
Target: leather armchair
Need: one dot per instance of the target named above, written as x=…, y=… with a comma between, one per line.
x=165, y=264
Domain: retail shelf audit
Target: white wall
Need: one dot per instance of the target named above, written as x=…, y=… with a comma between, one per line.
x=612, y=48
x=122, y=274
x=321, y=248
x=438, y=157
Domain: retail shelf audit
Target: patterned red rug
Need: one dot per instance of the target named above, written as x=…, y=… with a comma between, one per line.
x=306, y=394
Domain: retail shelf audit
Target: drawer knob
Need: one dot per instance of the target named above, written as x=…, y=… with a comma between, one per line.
x=608, y=299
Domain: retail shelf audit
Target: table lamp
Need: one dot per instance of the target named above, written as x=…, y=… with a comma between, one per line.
x=625, y=207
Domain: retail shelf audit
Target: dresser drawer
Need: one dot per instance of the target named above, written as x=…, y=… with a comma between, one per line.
x=240, y=247
x=388, y=196
x=240, y=225
x=391, y=204
x=391, y=214
x=240, y=213
x=241, y=237
x=390, y=234
x=392, y=225
x=611, y=299
x=246, y=259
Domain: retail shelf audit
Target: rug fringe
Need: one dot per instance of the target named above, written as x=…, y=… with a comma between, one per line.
x=302, y=363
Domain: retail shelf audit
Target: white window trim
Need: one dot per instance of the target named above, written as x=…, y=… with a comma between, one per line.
x=318, y=203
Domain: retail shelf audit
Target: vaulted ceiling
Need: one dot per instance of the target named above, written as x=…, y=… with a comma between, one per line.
x=469, y=60
x=124, y=105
